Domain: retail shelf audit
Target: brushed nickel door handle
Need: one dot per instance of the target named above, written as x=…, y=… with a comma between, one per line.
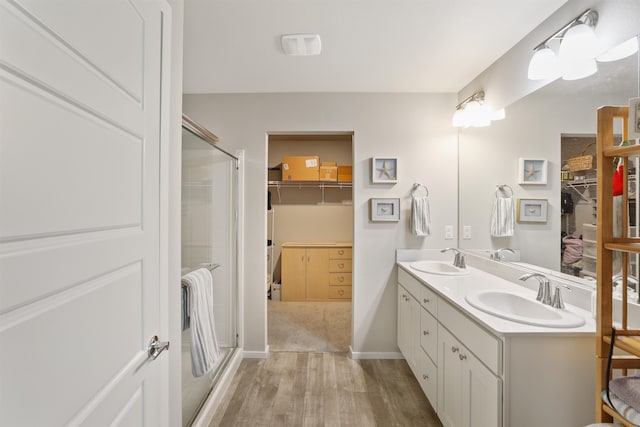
x=156, y=347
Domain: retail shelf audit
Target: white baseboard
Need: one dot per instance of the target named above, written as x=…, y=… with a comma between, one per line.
x=208, y=410
x=375, y=355
x=256, y=354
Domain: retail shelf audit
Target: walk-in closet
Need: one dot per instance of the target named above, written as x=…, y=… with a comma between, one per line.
x=309, y=241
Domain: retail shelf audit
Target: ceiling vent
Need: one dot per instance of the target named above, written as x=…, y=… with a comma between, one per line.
x=301, y=44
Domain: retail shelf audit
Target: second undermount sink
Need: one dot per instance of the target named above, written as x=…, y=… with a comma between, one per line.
x=519, y=308
x=438, y=267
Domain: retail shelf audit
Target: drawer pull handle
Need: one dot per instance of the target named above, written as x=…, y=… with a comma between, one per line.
x=425, y=376
x=426, y=300
x=341, y=252
x=341, y=279
x=341, y=265
x=341, y=292
x=454, y=349
x=462, y=356
x=425, y=333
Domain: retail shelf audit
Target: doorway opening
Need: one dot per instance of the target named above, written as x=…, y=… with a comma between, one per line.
x=309, y=241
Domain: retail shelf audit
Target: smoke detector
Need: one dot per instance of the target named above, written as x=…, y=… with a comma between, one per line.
x=301, y=44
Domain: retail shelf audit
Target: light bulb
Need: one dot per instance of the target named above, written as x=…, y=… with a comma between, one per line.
x=578, y=69
x=578, y=42
x=544, y=65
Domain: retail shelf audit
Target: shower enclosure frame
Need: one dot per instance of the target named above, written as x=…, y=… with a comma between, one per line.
x=223, y=375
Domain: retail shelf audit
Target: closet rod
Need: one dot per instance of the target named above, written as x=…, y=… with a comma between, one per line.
x=203, y=133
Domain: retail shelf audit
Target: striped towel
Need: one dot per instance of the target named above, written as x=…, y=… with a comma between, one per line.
x=420, y=216
x=204, y=345
x=502, y=217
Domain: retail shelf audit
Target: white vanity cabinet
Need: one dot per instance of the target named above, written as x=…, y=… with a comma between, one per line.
x=469, y=394
x=476, y=375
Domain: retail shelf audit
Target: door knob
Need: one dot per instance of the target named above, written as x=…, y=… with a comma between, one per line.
x=156, y=347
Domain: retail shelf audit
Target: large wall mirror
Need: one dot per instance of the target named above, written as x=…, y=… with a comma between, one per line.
x=534, y=129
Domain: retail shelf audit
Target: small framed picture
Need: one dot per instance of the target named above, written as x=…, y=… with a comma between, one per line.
x=531, y=210
x=634, y=118
x=384, y=210
x=532, y=171
x=384, y=170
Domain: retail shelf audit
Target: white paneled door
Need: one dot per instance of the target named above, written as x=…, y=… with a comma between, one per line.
x=80, y=229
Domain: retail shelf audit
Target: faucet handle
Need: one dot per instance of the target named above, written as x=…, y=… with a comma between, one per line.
x=459, y=261
x=557, y=297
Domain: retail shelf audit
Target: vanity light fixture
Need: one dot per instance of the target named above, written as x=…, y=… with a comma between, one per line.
x=474, y=112
x=576, y=54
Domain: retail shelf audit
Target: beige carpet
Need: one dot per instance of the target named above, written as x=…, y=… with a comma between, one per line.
x=309, y=326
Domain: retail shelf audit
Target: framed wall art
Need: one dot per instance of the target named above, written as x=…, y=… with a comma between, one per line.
x=384, y=210
x=532, y=171
x=384, y=170
x=531, y=210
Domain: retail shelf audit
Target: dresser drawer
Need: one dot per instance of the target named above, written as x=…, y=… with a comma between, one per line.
x=427, y=375
x=340, y=266
x=336, y=279
x=340, y=253
x=339, y=292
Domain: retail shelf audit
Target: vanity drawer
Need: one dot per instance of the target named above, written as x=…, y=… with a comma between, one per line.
x=336, y=279
x=429, y=300
x=339, y=266
x=427, y=375
x=340, y=253
x=429, y=334
x=339, y=292
x=410, y=284
x=486, y=346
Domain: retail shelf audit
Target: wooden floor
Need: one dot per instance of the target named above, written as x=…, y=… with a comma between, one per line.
x=324, y=389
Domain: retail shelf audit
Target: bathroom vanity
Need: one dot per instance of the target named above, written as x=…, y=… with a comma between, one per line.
x=480, y=369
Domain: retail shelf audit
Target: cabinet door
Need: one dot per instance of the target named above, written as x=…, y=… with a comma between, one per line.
x=449, y=380
x=293, y=274
x=317, y=273
x=404, y=318
x=481, y=394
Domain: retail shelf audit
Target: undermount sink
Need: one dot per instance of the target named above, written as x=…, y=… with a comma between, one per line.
x=438, y=267
x=521, y=309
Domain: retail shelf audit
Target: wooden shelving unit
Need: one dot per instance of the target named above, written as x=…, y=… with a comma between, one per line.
x=627, y=340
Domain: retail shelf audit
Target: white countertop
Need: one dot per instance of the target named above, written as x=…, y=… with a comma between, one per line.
x=454, y=289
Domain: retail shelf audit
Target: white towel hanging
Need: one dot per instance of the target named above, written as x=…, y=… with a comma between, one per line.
x=204, y=344
x=420, y=213
x=503, y=213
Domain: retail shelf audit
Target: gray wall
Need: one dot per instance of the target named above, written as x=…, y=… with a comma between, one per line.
x=415, y=128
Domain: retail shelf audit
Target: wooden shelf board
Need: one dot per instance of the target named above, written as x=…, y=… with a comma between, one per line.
x=623, y=246
x=630, y=344
x=627, y=151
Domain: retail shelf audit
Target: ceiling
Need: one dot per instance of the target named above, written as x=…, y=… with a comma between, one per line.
x=233, y=46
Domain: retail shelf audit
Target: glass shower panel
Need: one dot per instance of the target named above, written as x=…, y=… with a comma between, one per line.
x=209, y=229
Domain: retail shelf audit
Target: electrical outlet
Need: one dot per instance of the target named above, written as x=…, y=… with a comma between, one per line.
x=466, y=232
x=448, y=232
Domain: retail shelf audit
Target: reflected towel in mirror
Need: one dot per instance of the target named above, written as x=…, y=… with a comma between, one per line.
x=502, y=217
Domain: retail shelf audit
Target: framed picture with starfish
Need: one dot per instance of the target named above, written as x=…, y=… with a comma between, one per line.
x=384, y=170
x=532, y=171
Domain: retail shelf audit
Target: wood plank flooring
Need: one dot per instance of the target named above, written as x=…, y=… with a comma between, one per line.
x=324, y=389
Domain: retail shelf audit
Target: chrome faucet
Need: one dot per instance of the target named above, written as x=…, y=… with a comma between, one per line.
x=544, y=287
x=458, y=261
x=497, y=254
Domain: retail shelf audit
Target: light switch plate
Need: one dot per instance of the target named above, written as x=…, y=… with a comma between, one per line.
x=448, y=232
x=466, y=232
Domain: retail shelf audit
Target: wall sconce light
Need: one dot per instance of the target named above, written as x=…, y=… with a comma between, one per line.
x=576, y=54
x=474, y=112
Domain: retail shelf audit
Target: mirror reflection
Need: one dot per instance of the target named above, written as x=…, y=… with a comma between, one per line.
x=557, y=124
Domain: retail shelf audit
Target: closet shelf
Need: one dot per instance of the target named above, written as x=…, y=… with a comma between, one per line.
x=308, y=184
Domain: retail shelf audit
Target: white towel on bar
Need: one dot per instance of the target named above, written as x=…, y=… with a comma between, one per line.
x=502, y=217
x=420, y=216
x=204, y=344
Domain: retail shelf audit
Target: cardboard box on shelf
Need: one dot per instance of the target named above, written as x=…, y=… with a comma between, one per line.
x=301, y=168
x=344, y=173
x=328, y=171
x=274, y=173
